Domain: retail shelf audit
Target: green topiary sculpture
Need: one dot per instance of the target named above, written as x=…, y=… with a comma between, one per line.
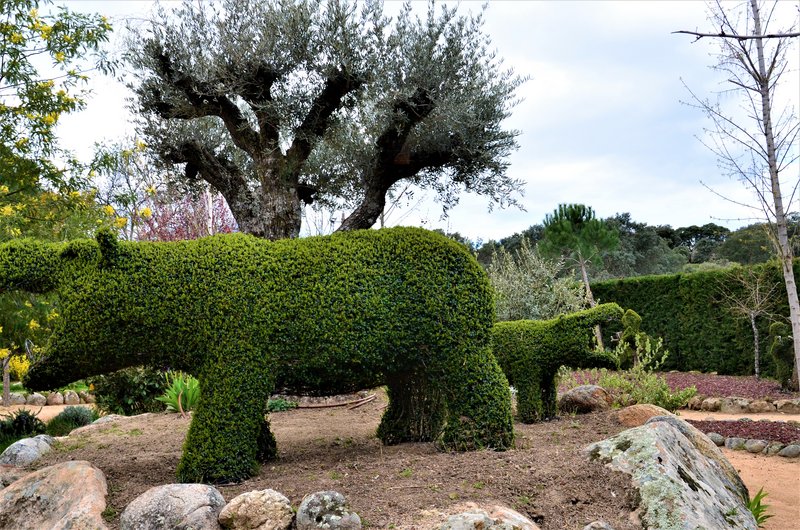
x=531, y=351
x=403, y=307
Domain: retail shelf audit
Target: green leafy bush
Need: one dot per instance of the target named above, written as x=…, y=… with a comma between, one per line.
x=781, y=349
x=128, y=392
x=332, y=314
x=69, y=419
x=183, y=392
x=530, y=353
x=280, y=405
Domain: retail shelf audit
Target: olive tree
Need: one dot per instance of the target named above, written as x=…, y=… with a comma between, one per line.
x=281, y=103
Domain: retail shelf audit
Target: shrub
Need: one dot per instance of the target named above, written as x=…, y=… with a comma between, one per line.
x=69, y=419
x=183, y=392
x=530, y=353
x=331, y=314
x=781, y=349
x=18, y=366
x=280, y=405
x=128, y=392
x=22, y=423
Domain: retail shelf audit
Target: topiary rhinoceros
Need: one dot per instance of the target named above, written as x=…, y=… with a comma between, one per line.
x=403, y=307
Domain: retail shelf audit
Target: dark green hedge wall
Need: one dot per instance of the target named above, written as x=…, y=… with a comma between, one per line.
x=531, y=351
x=687, y=310
x=326, y=314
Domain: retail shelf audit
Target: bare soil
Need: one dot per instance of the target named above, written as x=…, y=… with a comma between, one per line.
x=410, y=486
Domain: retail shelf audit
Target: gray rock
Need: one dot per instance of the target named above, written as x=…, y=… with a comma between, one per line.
x=788, y=406
x=694, y=404
x=737, y=444
x=328, y=510
x=717, y=438
x=257, y=510
x=26, y=451
x=598, y=525
x=475, y=520
x=70, y=495
x=71, y=398
x=16, y=399
x=583, y=399
x=684, y=480
x=86, y=397
x=755, y=446
x=733, y=405
x=55, y=398
x=774, y=448
x=515, y=520
x=790, y=451
x=759, y=406
x=174, y=506
x=711, y=404
x=36, y=399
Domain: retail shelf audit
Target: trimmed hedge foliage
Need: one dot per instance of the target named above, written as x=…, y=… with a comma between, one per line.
x=687, y=311
x=531, y=351
x=327, y=314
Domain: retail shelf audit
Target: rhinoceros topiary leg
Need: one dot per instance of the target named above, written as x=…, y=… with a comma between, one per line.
x=415, y=412
x=478, y=403
x=228, y=434
x=530, y=406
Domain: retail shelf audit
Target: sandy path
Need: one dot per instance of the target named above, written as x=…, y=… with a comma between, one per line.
x=703, y=415
x=47, y=413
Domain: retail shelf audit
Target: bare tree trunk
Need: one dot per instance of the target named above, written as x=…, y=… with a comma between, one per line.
x=756, y=349
x=598, y=333
x=784, y=249
x=7, y=381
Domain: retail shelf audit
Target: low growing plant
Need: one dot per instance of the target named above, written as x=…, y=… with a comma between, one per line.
x=758, y=508
x=280, y=405
x=22, y=423
x=183, y=392
x=70, y=419
x=129, y=391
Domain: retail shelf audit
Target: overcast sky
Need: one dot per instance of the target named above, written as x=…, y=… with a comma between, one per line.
x=601, y=122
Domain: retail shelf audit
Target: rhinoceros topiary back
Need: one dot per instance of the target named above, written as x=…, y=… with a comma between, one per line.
x=330, y=314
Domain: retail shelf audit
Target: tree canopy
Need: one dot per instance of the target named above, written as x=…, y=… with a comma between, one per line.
x=279, y=103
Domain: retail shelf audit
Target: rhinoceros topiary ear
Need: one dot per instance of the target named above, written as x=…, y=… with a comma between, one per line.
x=109, y=246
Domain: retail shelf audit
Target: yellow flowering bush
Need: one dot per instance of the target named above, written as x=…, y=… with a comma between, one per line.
x=18, y=366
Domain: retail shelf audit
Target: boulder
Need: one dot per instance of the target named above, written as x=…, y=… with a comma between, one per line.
x=637, y=415
x=257, y=510
x=755, y=446
x=514, y=519
x=183, y=506
x=36, y=399
x=473, y=520
x=760, y=406
x=26, y=451
x=9, y=474
x=711, y=404
x=71, y=398
x=70, y=495
x=328, y=510
x=737, y=444
x=684, y=480
x=773, y=448
x=16, y=399
x=583, y=399
x=788, y=406
x=733, y=405
x=717, y=438
x=86, y=397
x=695, y=403
x=790, y=451
x=55, y=398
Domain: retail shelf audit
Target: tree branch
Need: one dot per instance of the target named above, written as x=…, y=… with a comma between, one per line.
x=724, y=35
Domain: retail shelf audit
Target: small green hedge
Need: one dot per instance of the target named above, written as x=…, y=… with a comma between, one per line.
x=327, y=314
x=531, y=351
x=688, y=312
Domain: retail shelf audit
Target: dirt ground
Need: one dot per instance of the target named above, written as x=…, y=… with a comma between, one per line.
x=412, y=486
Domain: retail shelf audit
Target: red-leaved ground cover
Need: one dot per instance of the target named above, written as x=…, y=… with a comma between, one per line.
x=729, y=386
x=772, y=431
